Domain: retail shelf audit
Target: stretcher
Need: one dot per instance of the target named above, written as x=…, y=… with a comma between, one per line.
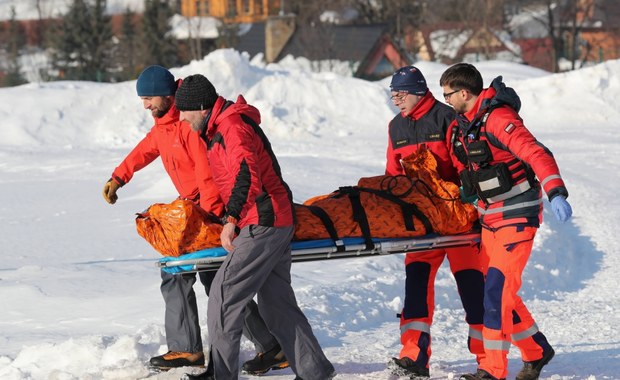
x=324, y=249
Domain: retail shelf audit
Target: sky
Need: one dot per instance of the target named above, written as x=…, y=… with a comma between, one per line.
x=80, y=289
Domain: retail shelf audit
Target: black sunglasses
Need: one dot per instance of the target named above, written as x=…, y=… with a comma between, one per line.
x=449, y=94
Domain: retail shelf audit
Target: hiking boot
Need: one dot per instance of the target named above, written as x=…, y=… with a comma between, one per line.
x=198, y=376
x=531, y=370
x=479, y=375
x=330, y=377
x=173, y=359
x=407, y=367
x=264, y=361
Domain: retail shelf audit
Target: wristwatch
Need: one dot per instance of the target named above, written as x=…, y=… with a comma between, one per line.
x=229, y=219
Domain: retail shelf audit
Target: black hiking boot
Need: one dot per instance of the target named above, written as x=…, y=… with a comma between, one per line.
x=330, y=377
x=264, y=361
x=407, y=367
x=479, y=375
x=209, y=374
x=531, y=370
x=199, y=376
x=173, y=359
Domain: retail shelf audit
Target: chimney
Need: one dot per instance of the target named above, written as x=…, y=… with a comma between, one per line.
x=278, y=30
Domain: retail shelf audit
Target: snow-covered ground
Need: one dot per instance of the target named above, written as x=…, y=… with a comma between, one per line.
x=79, y=289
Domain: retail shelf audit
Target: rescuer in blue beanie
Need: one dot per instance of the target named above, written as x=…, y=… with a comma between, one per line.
x=156, y=81
x=409, y=79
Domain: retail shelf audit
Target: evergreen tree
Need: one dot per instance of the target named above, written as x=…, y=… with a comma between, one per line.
x=128, y=47
x=16, y=41
x=82, y=46
x=101, y=41
x=160, y=46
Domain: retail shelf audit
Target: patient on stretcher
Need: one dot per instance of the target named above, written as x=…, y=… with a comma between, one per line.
x=417, y=204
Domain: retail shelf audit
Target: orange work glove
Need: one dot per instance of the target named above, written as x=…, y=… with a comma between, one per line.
x=109, y=191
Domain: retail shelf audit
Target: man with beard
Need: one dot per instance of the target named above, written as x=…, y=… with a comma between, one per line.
x=257, y=233
x=184, y=156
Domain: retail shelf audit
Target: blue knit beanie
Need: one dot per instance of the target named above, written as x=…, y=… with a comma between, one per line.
x=409, y=79
x=156, y=81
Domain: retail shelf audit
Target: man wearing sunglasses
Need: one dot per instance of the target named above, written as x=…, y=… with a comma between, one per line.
x=425, y=123
x=507, y=168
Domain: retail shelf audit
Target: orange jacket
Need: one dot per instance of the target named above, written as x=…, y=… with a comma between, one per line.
x=184, y=156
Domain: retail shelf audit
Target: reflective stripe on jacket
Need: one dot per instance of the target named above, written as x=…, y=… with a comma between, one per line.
x=509, y=140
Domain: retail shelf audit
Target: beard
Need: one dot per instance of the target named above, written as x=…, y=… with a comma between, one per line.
x=163, y=108
x=196, y=125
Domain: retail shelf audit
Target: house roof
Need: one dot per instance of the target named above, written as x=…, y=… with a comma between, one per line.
x=340, y=42
x=252, y=38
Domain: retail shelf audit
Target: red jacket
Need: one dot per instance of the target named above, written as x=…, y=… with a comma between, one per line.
x=244, y=167
x=429, y=125
x=184, y=156
x=512, y=143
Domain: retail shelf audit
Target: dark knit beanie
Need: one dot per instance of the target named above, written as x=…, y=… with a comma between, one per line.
x=195, y=93
x=409, y=79
x=156, y=81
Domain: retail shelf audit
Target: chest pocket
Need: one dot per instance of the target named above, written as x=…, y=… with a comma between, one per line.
x=485, y=180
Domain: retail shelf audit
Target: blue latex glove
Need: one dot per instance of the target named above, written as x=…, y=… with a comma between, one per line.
x=561, y=208
x=473, y=199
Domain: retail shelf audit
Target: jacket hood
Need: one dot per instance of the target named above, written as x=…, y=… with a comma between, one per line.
x=224, y=108
x=504, y=96
x=497, y=95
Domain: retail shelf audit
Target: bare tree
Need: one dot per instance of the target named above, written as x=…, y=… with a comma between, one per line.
x=564, y=21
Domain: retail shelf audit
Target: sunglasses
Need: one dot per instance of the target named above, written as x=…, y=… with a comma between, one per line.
x=447, y=95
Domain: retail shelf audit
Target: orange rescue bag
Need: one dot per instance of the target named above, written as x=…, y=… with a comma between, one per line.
x=177, y=228
x=390, y=207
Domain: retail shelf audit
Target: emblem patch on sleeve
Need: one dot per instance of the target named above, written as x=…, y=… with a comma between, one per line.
x=509, y=128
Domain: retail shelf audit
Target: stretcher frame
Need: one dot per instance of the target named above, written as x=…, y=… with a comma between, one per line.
x=324, y=249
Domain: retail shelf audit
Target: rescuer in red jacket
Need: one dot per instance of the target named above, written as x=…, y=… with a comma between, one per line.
x=184, y=156
x=258, y=228
x=507, y=168
x=425, y=123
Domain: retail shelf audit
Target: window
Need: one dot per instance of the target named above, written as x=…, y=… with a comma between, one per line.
x=245, y=7
x=202, y=7
x=258, y=7
x=231, y=8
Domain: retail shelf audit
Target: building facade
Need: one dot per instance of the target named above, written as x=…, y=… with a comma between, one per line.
x=232, y=11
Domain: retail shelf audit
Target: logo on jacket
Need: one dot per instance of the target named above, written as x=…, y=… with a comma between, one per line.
x=509, y=128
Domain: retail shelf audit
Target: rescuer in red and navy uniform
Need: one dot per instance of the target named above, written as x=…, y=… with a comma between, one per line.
x=425, y=123
x=507, y=168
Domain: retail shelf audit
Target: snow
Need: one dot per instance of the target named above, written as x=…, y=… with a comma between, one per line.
x=80, y=291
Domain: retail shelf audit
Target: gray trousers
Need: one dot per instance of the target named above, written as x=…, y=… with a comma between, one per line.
x=261, y=264
x=181, y=319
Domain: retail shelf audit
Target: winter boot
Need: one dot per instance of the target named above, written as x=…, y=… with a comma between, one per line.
x=330, y=377
x=407, y=367
x=173, y=359
x=199, y=376
x=479, y=375
x=264, y=361
x=531, y=370
x=209, y=374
